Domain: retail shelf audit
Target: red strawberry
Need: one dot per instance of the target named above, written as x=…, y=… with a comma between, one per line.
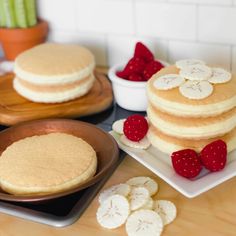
x=121, y=74
x=142, y=51
x=151, y=68
x=135, y=127
x=213, y=155
x=186, y=163
x=134, y=65
x=135, y=77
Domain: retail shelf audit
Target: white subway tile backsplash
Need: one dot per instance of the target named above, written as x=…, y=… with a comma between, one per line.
x=216, y=24
x=173, y=29
x=95, y=42
x=121, y=48
x=59, y=13
x=217, y=55
x=207, y=2
x=166, y=20
x=105, y=16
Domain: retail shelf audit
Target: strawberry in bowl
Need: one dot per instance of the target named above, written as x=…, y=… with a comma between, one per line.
x=129, y=81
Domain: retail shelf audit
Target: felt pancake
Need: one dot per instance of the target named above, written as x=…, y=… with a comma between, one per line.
x=173, y=102
x=169, y=144
x=192, y=127
x=52, y=63
x=46, y=164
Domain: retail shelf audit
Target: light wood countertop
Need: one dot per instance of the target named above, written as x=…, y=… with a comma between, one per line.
x=212, y=213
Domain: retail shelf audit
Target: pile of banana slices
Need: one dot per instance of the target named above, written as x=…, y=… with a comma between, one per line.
x=195, y=79
x=132, y=204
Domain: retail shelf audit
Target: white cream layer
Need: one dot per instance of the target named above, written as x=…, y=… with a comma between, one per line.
x=169, y=148
x=53, y=97
x=196, y=132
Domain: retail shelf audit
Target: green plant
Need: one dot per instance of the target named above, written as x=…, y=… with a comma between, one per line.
x=17, y=13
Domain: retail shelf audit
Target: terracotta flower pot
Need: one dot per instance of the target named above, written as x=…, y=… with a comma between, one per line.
x=15, y=41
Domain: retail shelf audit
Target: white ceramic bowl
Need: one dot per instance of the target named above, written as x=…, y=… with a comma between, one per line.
x=130, y=95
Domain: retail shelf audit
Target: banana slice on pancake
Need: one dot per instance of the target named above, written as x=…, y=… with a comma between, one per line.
x=196, y=72
x=219, y=76
x=196, y=89
x=188, y=62
x=168, y=81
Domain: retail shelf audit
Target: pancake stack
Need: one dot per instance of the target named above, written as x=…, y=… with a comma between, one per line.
x=190, y=106
x=54, y=73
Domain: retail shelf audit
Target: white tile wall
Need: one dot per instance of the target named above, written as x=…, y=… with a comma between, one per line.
x=58, y=13
x=95, y=42
x=173, y=29
x=216, y=24
x=166, y=20
x=217, y=55
x=204, y=2
x=113, y=16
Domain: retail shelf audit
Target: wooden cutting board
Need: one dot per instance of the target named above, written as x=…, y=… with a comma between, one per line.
x=15, y=109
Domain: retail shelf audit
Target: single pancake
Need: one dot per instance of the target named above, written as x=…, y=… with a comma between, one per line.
x=46, y=164
x=222, y=99
x=52, y=63
x=192, y=127
x=168, y=144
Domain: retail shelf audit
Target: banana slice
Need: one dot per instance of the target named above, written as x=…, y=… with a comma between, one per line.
x=113, y=212
x=118, y=126
x=142, y=144
x=143, y=181
x=196, y=72
x=219, y=76
x=168, y=81
x=144, y=222
x=149, y=205
x=188, y=62
x=166, y=210
x=138, y=197
x=196, y=89
x=121, y=189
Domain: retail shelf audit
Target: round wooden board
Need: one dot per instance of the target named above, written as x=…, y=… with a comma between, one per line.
x=15, y=109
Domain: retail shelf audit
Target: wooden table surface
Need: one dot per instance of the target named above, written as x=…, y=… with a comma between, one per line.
x=212, y=213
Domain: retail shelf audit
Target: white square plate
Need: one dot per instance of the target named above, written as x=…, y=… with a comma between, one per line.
x=160, y=164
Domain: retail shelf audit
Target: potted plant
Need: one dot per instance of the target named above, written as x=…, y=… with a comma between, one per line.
x=19, y=27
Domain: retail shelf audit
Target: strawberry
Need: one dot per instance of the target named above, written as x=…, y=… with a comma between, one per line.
x=135, y=77
x=213, y=155
x=121, y=74
x=151, y=68
x=135, y=127
x=142, y=51
x=186, y=163
x=134, y=65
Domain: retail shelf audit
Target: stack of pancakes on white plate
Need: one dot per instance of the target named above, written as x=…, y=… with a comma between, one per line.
x=54, y=73
x=193, y=109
